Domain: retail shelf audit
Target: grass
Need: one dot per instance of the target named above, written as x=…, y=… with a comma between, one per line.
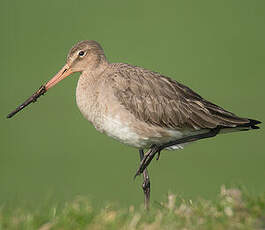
x=232, y=209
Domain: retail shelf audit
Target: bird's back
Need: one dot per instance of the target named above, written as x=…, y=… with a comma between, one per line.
x=164, y=102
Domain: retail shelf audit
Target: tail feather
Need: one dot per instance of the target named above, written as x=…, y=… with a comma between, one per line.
x=252, y=124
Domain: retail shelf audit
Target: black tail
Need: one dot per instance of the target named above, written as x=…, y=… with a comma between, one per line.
x=251, y=125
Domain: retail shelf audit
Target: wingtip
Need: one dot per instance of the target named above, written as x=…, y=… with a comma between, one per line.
x=252, y=123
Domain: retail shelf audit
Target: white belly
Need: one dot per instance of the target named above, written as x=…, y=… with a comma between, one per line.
x=122, y=132
x=114, y=128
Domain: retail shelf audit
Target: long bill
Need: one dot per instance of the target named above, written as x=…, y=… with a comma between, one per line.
x=63, y=73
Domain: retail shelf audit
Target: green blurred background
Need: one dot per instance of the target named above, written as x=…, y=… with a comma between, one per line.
x=49, y=150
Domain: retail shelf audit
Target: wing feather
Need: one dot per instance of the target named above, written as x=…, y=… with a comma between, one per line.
x=161, y=101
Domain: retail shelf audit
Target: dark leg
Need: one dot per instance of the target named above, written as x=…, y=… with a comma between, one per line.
x=146, y=183
x=148, y=157
x=157, y=149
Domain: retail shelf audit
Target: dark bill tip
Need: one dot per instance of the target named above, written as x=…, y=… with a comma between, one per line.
x=31, y=99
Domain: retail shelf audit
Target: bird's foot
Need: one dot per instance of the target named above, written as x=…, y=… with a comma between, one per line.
x=148, y=157
x=146, y=189
x=158, y=154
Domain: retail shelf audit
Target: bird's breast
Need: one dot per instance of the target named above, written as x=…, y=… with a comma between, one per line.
x=87, y=100
x=97, y=104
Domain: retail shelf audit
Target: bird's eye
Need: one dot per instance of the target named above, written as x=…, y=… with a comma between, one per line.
x=81, y=53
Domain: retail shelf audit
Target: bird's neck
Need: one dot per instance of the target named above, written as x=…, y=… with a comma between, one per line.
x=94, y=71
x=88, y=89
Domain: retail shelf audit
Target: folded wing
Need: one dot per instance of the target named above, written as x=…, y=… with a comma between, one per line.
x=161, y=101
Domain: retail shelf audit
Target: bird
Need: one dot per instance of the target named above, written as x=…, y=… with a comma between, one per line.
x=139, y=107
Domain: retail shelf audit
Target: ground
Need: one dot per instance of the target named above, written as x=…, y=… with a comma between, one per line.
x=232, y=209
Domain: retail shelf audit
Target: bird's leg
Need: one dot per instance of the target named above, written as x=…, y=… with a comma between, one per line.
x=157, y=149
x=148, y=157
x=146, y=183
x=158, y=155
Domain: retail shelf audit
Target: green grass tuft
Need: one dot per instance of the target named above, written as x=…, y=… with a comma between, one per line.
x=232, y=209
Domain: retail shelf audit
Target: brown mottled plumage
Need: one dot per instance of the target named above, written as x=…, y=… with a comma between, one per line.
x=140, y=107
x=162, y=101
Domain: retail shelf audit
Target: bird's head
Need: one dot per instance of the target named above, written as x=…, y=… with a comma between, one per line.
x=84, y=56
